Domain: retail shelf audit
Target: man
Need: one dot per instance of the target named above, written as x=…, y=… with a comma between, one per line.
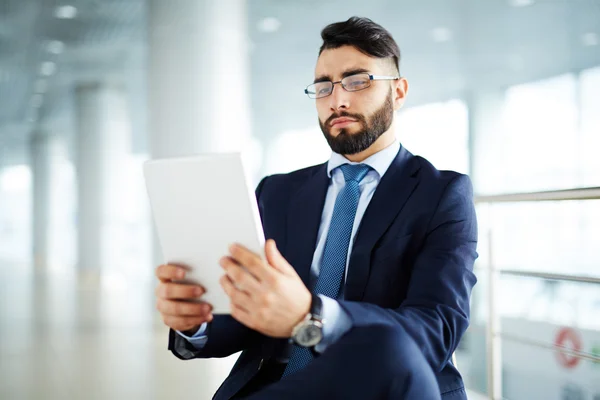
x=364, y=292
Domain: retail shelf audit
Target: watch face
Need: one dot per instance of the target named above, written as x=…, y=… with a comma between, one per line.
x=309, y=335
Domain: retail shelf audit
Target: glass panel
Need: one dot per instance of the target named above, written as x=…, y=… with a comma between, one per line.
x=439, y=132
x=541, y=129
x=546, y=313
x=549, y=137
x=590, y=127
x=557, y=303
x=471, y=354
x=535, y=372
x=15, y=214
x=557, y=237
x=296, y=149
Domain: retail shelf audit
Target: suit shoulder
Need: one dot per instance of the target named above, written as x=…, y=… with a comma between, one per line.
x=291, y=179
x=442, y=177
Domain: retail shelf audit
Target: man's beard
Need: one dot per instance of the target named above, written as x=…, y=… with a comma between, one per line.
x=352, y=143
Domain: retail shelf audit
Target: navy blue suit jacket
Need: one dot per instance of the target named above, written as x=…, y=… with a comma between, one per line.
x=411, y=263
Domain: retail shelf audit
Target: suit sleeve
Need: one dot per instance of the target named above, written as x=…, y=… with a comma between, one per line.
x=435, y=312
x=224, y=335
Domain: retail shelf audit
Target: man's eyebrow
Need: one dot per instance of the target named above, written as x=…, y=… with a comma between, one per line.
x=348, y=72
x=354, y=71
x=322, y=78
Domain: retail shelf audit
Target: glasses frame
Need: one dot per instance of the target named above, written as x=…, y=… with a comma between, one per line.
x=371, y=78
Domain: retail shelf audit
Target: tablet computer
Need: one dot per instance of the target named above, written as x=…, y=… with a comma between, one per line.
x=200, y=206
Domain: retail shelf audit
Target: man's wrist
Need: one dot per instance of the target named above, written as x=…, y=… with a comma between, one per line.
x=191, y=332
x=309, y=332
x=338, y=322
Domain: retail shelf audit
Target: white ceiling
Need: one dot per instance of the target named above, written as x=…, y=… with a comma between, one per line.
x=490, y=44
x=493, y=45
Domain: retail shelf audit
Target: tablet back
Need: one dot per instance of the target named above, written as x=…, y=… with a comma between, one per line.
x=201, y=205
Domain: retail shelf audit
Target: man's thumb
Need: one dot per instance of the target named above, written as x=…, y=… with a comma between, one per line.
x=274, y=257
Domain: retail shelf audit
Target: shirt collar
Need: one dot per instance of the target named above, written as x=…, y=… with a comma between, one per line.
x=379, y=161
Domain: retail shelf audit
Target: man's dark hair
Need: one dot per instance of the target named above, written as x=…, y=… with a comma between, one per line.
x=365, y=35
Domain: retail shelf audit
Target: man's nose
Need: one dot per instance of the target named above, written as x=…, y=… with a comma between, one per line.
x=339, y=98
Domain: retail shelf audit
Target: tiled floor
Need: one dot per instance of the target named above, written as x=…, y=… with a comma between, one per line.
x=63, y=337
x=66, y=336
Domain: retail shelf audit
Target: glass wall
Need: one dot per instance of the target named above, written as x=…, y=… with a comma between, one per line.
x=547, y=144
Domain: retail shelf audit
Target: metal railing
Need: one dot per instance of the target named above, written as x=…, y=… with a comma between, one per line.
x=592, y=193
x=494, y=334
x=551, y=276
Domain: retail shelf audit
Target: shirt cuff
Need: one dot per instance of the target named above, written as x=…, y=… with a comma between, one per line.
x=336, y=322
x=198, y=339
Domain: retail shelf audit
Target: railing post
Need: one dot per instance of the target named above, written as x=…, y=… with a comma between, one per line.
x=494, y=354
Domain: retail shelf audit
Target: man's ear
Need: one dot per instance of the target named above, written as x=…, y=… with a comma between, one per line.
x=400, y=90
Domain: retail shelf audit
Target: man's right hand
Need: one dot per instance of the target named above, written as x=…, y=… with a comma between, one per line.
x=173, y=300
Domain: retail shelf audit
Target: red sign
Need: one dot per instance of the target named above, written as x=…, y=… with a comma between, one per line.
x=568, y=339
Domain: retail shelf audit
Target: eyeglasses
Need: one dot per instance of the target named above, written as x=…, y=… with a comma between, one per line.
x=352, y=83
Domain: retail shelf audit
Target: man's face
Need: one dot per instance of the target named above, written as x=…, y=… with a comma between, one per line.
x=353, y=121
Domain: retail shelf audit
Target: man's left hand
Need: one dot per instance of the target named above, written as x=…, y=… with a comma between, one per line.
x=266, y=295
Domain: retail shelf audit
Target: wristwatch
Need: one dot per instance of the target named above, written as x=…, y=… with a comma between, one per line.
x=309, y=332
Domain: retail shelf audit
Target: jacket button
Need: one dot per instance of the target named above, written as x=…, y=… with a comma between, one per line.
x=260, y=364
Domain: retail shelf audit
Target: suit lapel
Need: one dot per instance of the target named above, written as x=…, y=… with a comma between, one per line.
x=393, y=191
x=304, y=219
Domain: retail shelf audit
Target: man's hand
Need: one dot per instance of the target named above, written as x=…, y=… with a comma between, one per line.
x=173, y=300
x=268, y=295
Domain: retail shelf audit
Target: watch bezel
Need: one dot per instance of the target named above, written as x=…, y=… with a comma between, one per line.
x=308, y=324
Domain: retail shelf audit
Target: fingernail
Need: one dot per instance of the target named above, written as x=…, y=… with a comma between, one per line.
x=198, y=291
x=180, y=273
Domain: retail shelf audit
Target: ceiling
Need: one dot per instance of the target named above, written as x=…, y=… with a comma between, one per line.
x=449, y=48
x=489, y=44
x=42, y=56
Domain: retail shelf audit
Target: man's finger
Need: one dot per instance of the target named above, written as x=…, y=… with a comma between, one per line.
x=251, y=261
x=237, y=296
x=240, y=277
x=276, y=260
x=168, y=272
x=179, y=291
x=242, y=315
x=183, y=308
x=225, y=283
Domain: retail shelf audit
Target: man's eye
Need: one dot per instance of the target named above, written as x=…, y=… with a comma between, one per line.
x=357, y=83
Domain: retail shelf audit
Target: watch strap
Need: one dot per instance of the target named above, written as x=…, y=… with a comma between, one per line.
x=316, y=308
x=316, y=311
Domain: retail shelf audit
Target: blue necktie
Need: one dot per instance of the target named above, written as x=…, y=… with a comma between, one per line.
x=335, y=254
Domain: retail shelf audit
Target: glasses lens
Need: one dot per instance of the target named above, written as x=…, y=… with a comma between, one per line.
x=319, y=89
x=353, y=83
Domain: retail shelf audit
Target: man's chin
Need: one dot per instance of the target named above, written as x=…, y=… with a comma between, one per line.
x=335, y=132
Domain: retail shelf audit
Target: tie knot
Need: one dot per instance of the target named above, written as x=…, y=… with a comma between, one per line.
x=354, y=172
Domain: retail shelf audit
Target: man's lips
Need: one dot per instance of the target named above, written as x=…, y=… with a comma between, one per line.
x=342, y=121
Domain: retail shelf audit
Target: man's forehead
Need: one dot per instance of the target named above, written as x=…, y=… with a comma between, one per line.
x=334, y=63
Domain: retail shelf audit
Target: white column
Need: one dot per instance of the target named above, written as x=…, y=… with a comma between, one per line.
x=199, y=97
x=42, y=148
x=198, y=80
x=198, y=77
x=487, y=134
x=103, y=140
x=486, y=131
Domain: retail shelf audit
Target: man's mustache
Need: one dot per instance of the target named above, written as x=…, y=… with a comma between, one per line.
x=340, y=114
